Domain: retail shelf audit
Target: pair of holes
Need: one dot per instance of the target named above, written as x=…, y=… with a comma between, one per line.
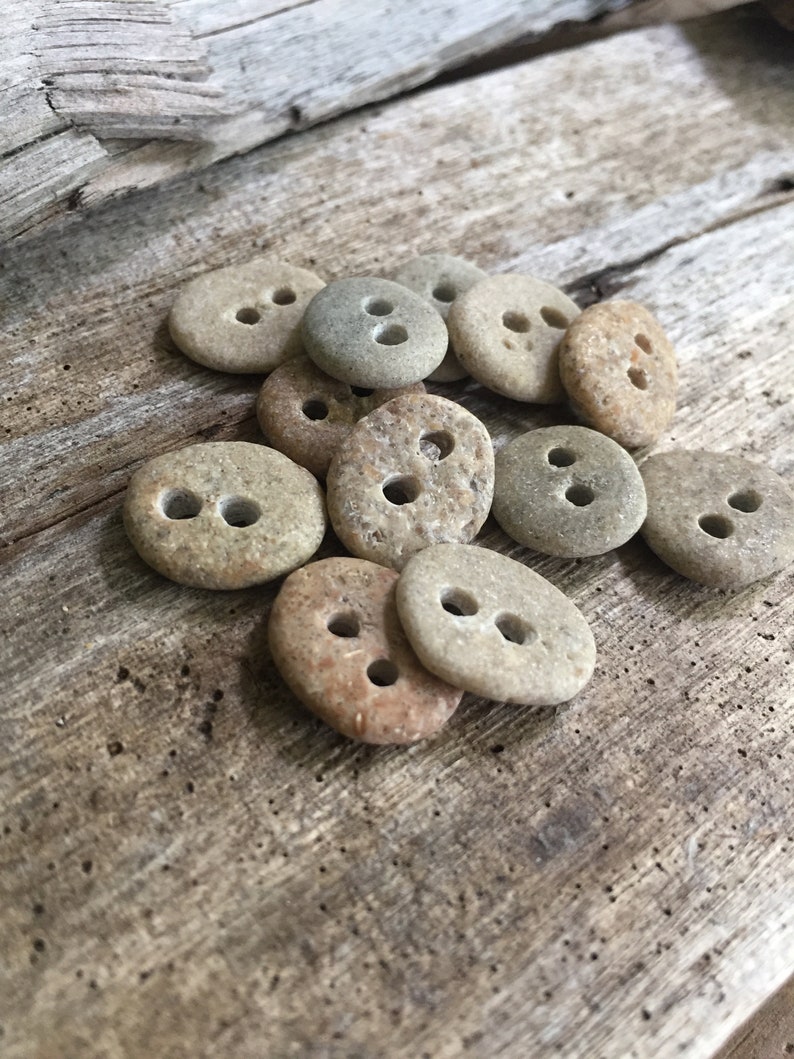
x=746, y=500
x=520, y=323
x=180, y=505
x=434, y=445
x=315, y=408
x=462, y=604
x=382, y=672
x=578, y=495
x=249, y=315
x=385, y=334
x=639, y=377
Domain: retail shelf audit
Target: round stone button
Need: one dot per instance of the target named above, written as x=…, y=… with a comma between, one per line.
x=568, y=491
x=718, y=519
x=373, y=332
x=225, y=514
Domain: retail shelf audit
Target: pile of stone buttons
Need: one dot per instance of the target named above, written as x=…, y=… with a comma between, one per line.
x=382, y=645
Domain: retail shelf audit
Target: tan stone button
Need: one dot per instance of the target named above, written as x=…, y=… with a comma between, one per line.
x=718, y=519
x=307, y=415
x=492, y=626
x=337, y=641
x=225, y=514
x=506, y=331
x=414, y=472
x=619, y=369
x=245, y=318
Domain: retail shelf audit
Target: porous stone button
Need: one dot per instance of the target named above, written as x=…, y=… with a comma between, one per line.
x=492, y=626
x=619, y=370
x=337, y=641
x=225, y=514
x=245, y=318
x=307, y=415
x=506, y=331
x=568, y=491
x=416, y=471
x=439, y=279
x=719, y=519
x=373, y=332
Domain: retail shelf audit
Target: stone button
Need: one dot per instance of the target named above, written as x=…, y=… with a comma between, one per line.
x=245, y=318
x=716, y=518
x=337, y=641
x=492, y=626
x=506, y=331
x=373, y=332
x=414, y=472
x=225, y=514
x=439, y=279
x=619, y=369
x=568, y=491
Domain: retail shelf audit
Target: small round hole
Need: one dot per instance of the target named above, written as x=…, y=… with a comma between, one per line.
x=445, y=292
x=514, y=629
x=361, y=391
x=553, y=317
x=180, y=504
x=378, y=307
x=238, y=512
x=644, y=343
x=346, y=625
x=383, y=672
x=560, y=458
x=390, y=335
x=248, y=315
x=458, y=602
x=436, y=445
x=716, y=526
x=515, y=322
x=283, y=296
x=315, y=409
x=638, y=378
x=579, y=495
x=400, y=491
x=746, y=500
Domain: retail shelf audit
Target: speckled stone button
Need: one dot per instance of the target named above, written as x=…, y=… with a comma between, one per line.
x=414, y=472
x=439, y=279
x=373, y=332
x=492, y=626
x=718, y=519
x=245, y=318
x=619, y=370
x=506, y=331
x=337, y=641
x=568, y=491
x=307, y=415
x=225, y=514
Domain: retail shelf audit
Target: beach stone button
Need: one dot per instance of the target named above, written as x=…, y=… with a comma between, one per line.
x=245, y=318
x=490, y=625
x=719, y=519
x=568, y=491
x=337, y=641
x=416, y=471
x=373, y=332
x=439, y=279
x=307, y=415
x=619, y=369
x=506, y=331
x=224, y=514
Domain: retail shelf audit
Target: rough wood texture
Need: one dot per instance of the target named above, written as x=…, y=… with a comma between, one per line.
x=195, y=867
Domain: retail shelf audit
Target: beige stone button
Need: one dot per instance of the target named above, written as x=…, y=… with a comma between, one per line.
x=225, y=514
x=492, y=626
x=718, y=519
x=416, y=471
x=619, y=369
x=245, y=318
x=307, y=415
x=506, y=331
x=337, y=641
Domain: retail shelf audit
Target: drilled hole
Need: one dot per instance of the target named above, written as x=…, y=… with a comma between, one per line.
x=436, y=445
x=560, y=458
x=579, y=495
x=400, y=491
x=345, y=624
x=553, y=317
x=746, y=500
x=315, y=409
x=390, y=335
x=248, y=315
x=514, y=629
x=180, y=504
x=284, y=296
x=716, y=526
x=644, y=343
x=383, y=672
x=638, y=378
x=238, y=512
x=361, y=391
x=458, y=602
x=378, y=307
x=445, y=292
x=515, y=322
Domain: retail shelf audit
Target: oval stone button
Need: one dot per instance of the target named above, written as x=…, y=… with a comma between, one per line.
x=568, y=491
x=718, y=519
x=492, y=626
x=373, y=332
x=619, y=370
x=245, y=317
x=416, y=471
x=337, y=641
x=225, y=514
